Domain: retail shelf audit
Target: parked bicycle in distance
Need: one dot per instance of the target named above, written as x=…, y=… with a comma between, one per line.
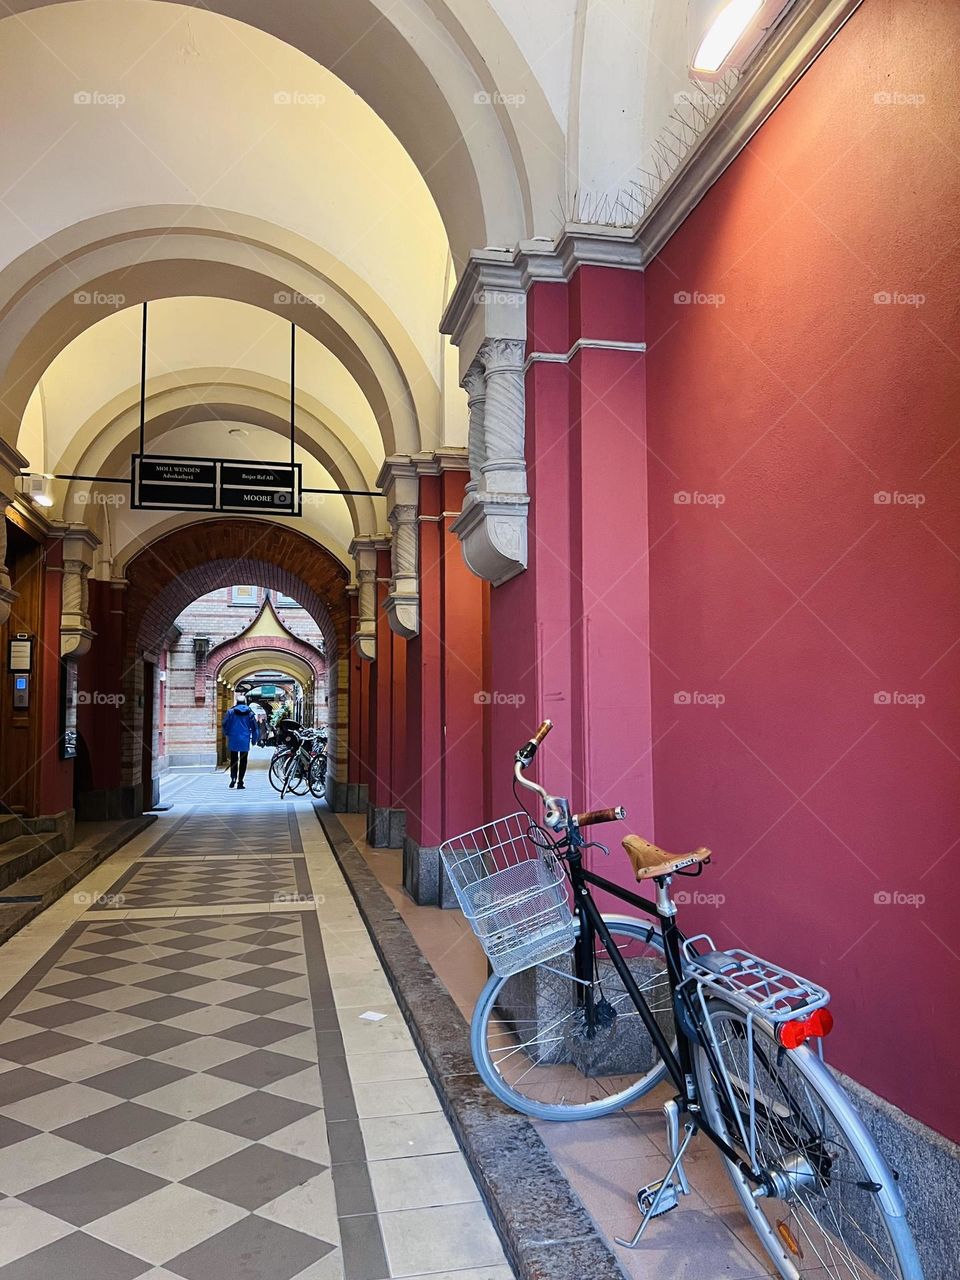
x=585, y=1013
x=299, y=763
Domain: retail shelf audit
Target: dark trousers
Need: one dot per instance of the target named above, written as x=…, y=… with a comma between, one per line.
x=238, y=765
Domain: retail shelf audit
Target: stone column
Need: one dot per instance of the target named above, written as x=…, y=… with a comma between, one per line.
x=503, y=468
x=76, y=630
x=493, y=526
x=400, y=484
x=475, y=385
x=364, y=552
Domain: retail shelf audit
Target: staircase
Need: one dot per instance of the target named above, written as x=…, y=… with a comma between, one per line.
x=37, y=867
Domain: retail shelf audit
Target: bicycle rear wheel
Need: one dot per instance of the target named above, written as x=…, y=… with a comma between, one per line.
x=318, y=775
x=295, y=780
x=838, y=1214
x=278, y=766
x=530, y=1039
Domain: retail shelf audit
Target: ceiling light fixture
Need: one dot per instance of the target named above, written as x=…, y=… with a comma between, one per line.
x=729, y=32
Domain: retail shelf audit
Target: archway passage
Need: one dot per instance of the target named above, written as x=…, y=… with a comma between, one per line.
x=162, y=580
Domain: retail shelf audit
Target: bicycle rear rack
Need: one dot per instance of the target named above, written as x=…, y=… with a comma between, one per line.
x=757, y=989
x=752, y=985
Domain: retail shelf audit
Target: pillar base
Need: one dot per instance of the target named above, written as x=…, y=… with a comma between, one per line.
x=347, y=797
x=424, y=877
x=385, y=827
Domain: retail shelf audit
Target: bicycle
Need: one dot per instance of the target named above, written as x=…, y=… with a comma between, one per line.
x=305, y=766
x=585, y=1013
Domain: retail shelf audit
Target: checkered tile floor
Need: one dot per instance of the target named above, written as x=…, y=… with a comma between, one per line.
x=206, y=833
x=191, y=883
x=157, y=1088
x=190, y=1086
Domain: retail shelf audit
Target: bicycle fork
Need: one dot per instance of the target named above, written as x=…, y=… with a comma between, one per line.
x=660, y=1197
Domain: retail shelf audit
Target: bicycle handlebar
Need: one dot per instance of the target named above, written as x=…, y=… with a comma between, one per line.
x=616, y=814
x=529, y=748
x=557, y=810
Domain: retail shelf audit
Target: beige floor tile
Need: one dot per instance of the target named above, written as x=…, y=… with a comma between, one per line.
x=391, y=1137
x=419, y=1182
x=166, y=1223
x=402, y=1064
x=310, y=1208
x=441, y=1238
x=24, y=1229
x=404, y=1097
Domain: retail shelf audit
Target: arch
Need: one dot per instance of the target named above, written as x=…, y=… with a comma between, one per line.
x=441, y=87
x=104, y=443
x=142, y=255
x=290, y=646
x=241, y=665
x=176, y=568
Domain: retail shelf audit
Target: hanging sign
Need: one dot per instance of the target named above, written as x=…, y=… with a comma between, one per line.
x=216, y=484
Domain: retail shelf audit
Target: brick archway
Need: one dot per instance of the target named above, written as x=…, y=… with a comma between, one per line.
x=191, y=561
x=223, y=653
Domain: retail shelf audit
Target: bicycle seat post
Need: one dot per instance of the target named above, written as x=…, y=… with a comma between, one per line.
x=666, y=907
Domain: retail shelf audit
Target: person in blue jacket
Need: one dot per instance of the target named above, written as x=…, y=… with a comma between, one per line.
x=240, y=728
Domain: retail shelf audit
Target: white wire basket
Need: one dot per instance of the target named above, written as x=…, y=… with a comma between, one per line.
x=512, y=891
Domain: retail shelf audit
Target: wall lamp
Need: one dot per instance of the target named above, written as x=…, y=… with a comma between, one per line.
x=728, y=33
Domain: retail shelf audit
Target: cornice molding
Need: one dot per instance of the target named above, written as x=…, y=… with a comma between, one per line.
x=499, y=278
x=582, y=344
x=792, y=48
x=12, y=460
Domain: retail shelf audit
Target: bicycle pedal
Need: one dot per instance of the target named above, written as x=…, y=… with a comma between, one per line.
x=669, y=1198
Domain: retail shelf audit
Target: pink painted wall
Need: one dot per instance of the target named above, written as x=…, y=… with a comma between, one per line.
x=569, y=638
x=796, y=396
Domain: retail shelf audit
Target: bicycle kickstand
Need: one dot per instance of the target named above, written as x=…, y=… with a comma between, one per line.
x=660, y=1197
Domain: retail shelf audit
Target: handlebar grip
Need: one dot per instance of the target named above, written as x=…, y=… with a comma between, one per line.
x=529, y=748
x=600, y=815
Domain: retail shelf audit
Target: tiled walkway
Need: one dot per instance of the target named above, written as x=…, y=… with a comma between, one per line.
x=203, y=1073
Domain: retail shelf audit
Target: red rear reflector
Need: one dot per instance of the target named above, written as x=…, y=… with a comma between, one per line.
x=793, y=1034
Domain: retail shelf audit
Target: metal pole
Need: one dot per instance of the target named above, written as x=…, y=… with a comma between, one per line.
x=293, y=375
x=143, y=381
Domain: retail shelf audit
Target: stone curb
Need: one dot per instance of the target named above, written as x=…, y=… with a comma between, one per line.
x=546, y=1232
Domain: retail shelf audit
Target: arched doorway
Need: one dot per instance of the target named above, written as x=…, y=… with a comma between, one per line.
x=191, y=561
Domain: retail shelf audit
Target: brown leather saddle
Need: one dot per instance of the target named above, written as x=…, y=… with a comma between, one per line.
x=650, y=861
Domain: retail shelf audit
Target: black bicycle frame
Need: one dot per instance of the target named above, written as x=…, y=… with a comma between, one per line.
x=679, y=1064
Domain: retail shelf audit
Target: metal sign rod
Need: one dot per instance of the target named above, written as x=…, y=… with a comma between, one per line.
x=357, y=493
x=143, y=382
x=293, y=384
x=71, y=476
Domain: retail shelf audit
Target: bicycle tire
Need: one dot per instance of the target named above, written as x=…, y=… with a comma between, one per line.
x=297, y=777
x=277, y=765
x=560, y=1082
x=318, y=776
x=818, y=1167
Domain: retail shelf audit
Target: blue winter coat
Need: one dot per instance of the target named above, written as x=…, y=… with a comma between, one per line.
x=240, y=727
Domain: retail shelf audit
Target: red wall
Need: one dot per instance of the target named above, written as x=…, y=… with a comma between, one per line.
x=800, y=599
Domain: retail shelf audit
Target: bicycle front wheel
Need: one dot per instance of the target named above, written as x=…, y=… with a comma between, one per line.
x=558, y=1048
x=837, y=1213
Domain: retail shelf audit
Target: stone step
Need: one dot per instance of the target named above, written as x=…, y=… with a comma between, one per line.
x=23, y=854
x=10, y=826
x=55, y=876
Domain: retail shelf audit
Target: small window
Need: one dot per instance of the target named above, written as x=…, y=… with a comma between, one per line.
x=243, y=595
x=287, y=602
